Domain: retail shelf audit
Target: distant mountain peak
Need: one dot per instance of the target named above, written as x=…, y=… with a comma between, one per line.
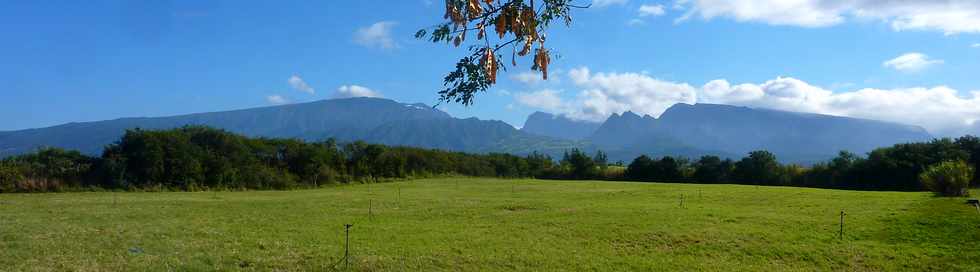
x=558, y=126
x=630, y=114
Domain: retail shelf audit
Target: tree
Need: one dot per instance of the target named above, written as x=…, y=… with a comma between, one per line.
x=712, y=169
x=971, y=144
x=642, y=168
x=581, y=165
x=760, y=167
x=519, y=24
x=601, y=159
x=668, y=169
x=951, y=178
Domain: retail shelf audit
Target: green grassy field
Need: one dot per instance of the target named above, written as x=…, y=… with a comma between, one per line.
x=490, y=224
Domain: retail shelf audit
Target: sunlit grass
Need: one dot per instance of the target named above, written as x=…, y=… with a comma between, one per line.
x=491, y=224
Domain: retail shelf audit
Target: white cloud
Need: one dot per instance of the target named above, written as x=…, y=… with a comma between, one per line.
x=635, y=22
x=276, y=100
x=941, y=110
x=348, y=91
x=604, y=3
x=651, y=10
x=607, y=93
x=527, y=77
x=949, y=16
x=976, y=45
x=299, y=84
x=376, y=35
x=911, y=62
x=544, y=99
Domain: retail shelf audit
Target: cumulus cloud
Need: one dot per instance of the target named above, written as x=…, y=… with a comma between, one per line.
x=607, y=93
x=348, y=91
x=604, y=3
x=376, y=35
x=949, y=16
x=276, y=100
x=651, y=10
x=941, y=110
x=911, y=62
x=546, y=99
x=299, y=84
x=527, y=77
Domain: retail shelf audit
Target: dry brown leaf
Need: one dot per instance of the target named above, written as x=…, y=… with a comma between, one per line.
x=501, y=25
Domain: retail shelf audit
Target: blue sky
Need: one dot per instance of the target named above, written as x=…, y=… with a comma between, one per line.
x=916, y=62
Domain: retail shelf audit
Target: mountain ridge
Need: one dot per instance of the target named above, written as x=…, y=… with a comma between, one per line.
x=684, y=130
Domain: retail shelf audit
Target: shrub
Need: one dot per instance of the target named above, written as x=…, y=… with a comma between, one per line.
x=9, y=176
x=950, y=178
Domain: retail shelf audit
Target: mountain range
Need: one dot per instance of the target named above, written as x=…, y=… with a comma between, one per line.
x=683, y=130
x=731, y=131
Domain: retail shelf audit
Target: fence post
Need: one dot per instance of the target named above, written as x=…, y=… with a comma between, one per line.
x=842, y=224
x=347, y=246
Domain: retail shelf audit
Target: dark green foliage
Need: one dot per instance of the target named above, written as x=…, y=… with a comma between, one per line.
x=891, y=168
x=48, y=169
x=10, y=174
x=760, y=167
x=712, y=169
x=641, y=168
x=971, y=145
x=199, y=158
x=666, y=169
x=950, y=178
x=578, y=165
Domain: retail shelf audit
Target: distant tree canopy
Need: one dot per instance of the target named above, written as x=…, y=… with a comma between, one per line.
x=199, y=158
x=578, y=165
x=519, y=24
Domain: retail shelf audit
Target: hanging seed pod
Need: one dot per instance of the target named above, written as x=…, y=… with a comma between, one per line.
x=541, y=61
x=474, y=9
x=489, y=64
x=528, y=42
x=482, y=31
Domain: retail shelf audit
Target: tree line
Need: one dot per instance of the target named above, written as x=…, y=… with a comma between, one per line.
x=202, y=158
x=898, y=167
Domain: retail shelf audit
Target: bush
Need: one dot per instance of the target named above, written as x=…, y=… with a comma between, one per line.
x=9, y=176
x=948, y=178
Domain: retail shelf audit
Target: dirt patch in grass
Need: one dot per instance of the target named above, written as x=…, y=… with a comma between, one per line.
x=516, y=207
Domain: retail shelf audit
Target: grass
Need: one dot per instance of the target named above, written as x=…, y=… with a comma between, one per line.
x=491, y=224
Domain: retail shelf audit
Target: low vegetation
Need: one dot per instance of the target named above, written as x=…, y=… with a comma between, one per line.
x=467, y=224
x=948, y=178
x=200, y=158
